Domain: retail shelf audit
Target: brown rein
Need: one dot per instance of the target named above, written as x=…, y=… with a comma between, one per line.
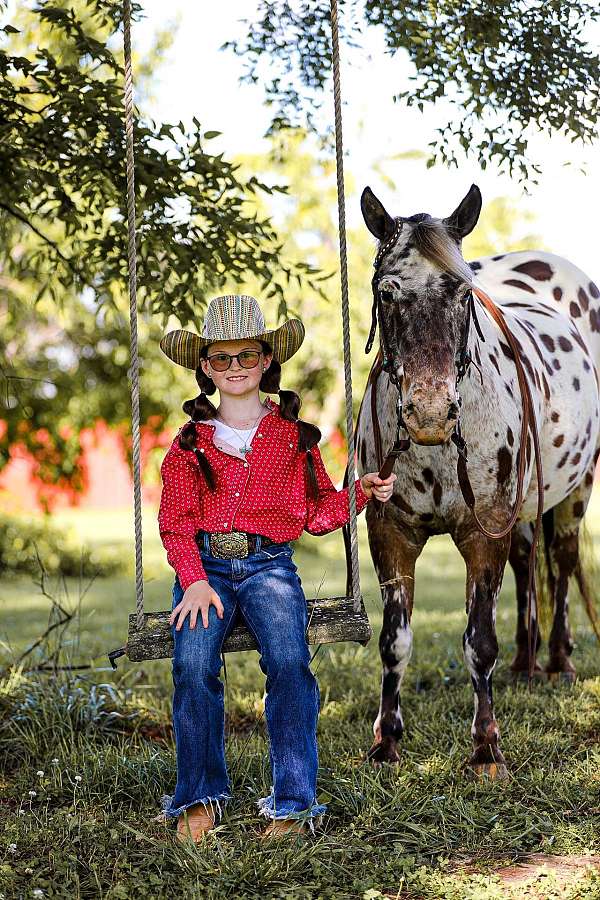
x=528, y=424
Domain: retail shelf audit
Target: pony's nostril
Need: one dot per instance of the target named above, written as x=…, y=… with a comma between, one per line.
x=453, y=411
x=409, y=409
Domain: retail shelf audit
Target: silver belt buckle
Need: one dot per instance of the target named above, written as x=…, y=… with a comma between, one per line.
x=233, y=545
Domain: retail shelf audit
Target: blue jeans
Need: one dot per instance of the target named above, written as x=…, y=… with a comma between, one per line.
x=264, y=586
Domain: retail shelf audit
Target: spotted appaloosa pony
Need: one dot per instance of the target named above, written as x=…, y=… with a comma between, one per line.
x=553, y=310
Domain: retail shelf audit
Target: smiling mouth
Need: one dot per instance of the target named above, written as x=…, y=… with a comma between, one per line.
x=237, y=377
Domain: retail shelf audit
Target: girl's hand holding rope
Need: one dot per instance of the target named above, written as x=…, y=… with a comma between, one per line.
x=198, y=598
x=380, y=488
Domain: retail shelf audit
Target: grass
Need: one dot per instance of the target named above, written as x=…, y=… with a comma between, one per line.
x=104, y=745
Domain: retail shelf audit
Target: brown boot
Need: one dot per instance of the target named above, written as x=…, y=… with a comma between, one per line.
x=278, y=828
x=200, y=820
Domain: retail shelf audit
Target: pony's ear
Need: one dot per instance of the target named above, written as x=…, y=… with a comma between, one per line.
x=377, y=219
x=464, y=218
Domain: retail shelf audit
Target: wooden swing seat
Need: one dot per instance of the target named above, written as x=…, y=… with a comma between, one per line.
x=331, y=619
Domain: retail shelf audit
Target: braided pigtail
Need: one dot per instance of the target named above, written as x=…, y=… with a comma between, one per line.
x=199, y=408
x=289, y=404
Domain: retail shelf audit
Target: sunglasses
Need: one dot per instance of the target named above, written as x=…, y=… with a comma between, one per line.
x=247, y=359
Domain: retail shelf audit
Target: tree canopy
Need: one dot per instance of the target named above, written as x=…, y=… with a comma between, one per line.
x=506, y=66
x=62, y=176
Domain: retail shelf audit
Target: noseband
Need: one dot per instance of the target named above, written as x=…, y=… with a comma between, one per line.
x=463, y=361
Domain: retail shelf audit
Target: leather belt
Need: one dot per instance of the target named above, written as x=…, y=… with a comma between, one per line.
x=233, y=544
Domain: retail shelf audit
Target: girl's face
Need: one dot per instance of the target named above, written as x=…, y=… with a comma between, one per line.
x=236, y=380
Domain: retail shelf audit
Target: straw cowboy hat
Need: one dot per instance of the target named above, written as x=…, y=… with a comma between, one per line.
x=231, y=318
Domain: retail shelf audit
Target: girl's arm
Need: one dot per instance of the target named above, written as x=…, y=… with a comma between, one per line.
x=331, y=510
x=179, y=515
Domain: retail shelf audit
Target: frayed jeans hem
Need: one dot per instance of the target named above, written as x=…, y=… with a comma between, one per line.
x=266, y=808
x=220, y=801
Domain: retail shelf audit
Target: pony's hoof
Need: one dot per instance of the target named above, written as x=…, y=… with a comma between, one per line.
x=380, y=754
x=494, y=771
x=558, y=678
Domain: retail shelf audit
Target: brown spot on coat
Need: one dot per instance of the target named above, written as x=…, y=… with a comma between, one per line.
x=593, y=290
x=504, y=464
x=536, y=269
x=574, y=310
x=514, y=282
x=594, y=320
x=559, y=440
x=556, y=364
x=546, y=387
x=555, y=416
x=548, y=342
x=510, y=436
x=565, y=344
x=576, y=459
x=428, y=475
x=401, y=504
x=576, y=383
x=419, y=486
x=437, y=493
x=562, y=460
x=557, y=293
x=583, y=298
x=494, y=362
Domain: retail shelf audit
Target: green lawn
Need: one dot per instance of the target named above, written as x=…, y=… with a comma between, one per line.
x=406, y=828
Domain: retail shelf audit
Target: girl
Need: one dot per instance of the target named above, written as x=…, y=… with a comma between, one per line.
x=240, y=482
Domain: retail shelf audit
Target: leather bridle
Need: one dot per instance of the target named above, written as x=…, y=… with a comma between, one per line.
x=385, y=362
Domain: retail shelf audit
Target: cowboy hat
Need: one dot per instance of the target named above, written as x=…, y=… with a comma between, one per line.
x=231, y=318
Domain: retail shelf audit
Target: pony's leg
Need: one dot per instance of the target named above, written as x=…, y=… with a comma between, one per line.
x=520, y=546
x=563, y=550
x=485, y=560
x=394, y=552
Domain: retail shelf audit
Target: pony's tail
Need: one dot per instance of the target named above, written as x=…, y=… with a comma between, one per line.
x=585, y=573
x=543, y=578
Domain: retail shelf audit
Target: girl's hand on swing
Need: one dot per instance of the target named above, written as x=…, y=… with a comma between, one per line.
x=198, y=598
x=380, y=488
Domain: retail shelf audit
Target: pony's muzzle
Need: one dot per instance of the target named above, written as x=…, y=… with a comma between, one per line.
x=430, y=414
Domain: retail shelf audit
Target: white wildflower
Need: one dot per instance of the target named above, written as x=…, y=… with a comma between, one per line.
x=12, y=848
x=55, y=761
x=78, y=778
x=38, y=892
x=40, y=773
x=33, y=793
x=28, y=871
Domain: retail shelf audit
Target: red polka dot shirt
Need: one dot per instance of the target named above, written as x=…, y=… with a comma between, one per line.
x=265, y=493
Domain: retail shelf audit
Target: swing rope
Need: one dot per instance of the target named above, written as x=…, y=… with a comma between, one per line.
x=341, y=198
x=134, y=371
